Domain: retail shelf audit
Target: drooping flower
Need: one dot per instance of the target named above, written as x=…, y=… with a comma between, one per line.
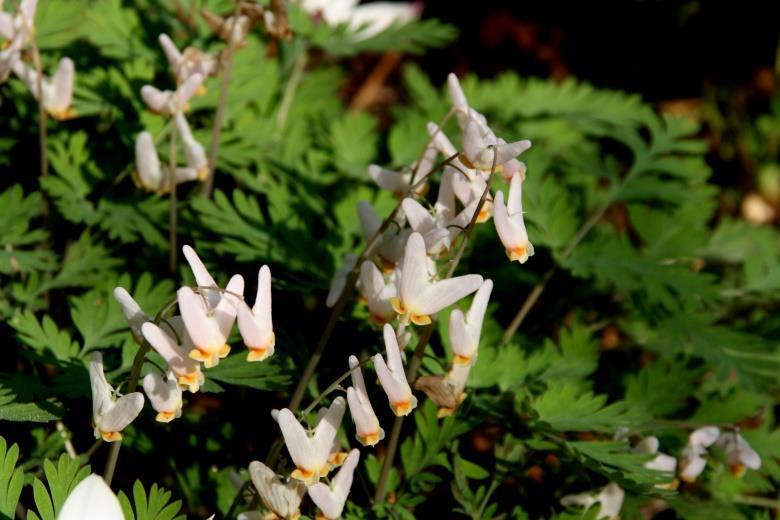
x=446, y=391
x=368, y=431
x=331, y=499
x=281, y=498
x=310, y=453
x=110, y=416
x=175, y=353
x=209, y=328
x=184, y=65
x=164, y=394
x=692, y=461
x=150, y=174
x=362, y=21
x=662, y=462
x=510, y=224
x=167, y=102
x=465, y=330
x=392, y=377
x=256, y=324
x=419, y=297
x=339, y=280
x=610, y=500
x=132, y=311
x=194, y=154
x=91, y=499
x=397, y=183
x=482, y=150
x=57, y=91
x=388, y=249
x=377, y=292
x=739, y=454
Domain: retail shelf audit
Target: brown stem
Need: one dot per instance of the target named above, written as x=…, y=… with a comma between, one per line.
x=372, y=86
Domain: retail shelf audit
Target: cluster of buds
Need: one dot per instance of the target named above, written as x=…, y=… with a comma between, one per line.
x=190, y=69
x=196, y=337
x=16, y=32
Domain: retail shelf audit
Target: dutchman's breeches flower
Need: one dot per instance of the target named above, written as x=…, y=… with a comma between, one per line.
x=310, y=453
x=282, y=499
x=392, y=377
x=510, y=224
x=110, y=416
x=446, y=391
x=465, y=330
x=377, y=292
x=167, y=102
x=368, y=431
x=256, y=324
x=610, y=499
x=91, y=499
x=692, y=459
x=331, y=499
x=739, y=455
x=419, y=297
x=149, y=172
x=165, y=396
x=175, y=352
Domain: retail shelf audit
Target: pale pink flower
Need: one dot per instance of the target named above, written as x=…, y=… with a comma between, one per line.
x=256, y=324
x=392, y=377
x=510, y=224
x=164, y=394
x=368, y=431
x=331, y=498
x=110, y=416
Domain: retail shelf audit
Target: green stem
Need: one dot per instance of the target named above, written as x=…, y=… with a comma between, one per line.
x=172, y=215
x=289, y=90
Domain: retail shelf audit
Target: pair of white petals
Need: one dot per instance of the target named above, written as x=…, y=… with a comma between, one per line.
x=388, y=249
x=419, y=296
x=392, y=376
x=91, y=499
x=57, y=91
x=510, y=224
x=610, y=500
x=110, y=415
x=165, y=395
x=378, y=292
x=167, y=102
x=16, y=30
x=363, y=21
x=693, y=459
x=191, y=61
x=281, y=498
x=466, y=329
x=368, y=431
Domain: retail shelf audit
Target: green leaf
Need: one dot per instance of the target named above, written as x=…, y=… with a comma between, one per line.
x=155, y=505
x=60, y=479
x=660, y=388
x=10, y=410
x=354, y=142
x=236, y=370
x=567, y=407
x=44, y=336
x=618, y=462
x=16, y=215
x=11, y=479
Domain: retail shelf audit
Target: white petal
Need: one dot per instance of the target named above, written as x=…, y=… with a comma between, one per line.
x=415, y=272
x=327, y=428
x=283, y=499
x=506, y=152
x=393, y=351
x=369, y=220
x=132, y=311
x=187, y=90
x=441, y=141
x=371, y=19
x=339, y=280
x=514, y=203
x=202, y=276
x=101, y=390
x=476, y=313
x=171, y=52
x=298, y=444
x=157, y=100
x=62, y=83
x=705, y=436
x=147, y=162
x=124, y=411
x=473, y=142
x=164, y=394
x=446, y=292
x=172, y=353
x=648, y=445
x=456, y=94
x=201, y=328
x=331, y=499
x=194, y=153
x=91, y=499
x=388, y=180
x=611, y=499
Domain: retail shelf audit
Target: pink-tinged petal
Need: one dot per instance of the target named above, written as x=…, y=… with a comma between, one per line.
x=262, y=308
x=476, y=313
x=194, y=153
x=201, y=328
x=512, y=167
x=463, y=345
x=446, y=292
x=297, y=441
x=124, y=411
x=514, y=204
x=508, y=151
x=415, y=271
x=462, y=187
x=187, y=90
x=171, y=52
x=369, y=220
x=473, y=142
x=339, y=280
x=388, y=179
x=7, y=29
x=28, y=8
x=173, y=354
x=62, y=82
x=395, y=390
x=705, y=436
x=419, y=218
x=331, y=499
x=327, y=428
x=101, y=390
x=164, y=395
x=394, y=360
x=445, y=200
x=365, y=423
x=457, y=96
x=132, y=311
x=506, y=231
x=156, y=100
x=227, y=308
x=202, y=276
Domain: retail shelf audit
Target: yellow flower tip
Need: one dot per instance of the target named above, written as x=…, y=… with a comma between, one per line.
x=320, y=516
x=379, y=320
x=190, y=381
x=335, y=460
x=305, y=475
x=386, y=265
x=165, y=417
x=371, y=439
x=199, y=355
x=203, y=173
x=738, y=470
x=519, y=254
x=201, y=90
x=397, y=305
x=402, y=408
x=461, y=360
x=186, y=107
x=258, y=354
x=111, y=436
x=62, y=115
x=362, y=300
x=671, y=486
x=444, y=412
x=484, y=214
x=420, y=319
x=223, y=351
x=689, y=480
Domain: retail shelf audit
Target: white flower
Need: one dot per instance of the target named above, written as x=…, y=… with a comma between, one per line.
x=397, y=183
x=419, y=297
x=175, y=353
x=363, y=21
x=481, y=148
x=17, y=29
x=331, y=499
x=392, y=377
x=692, y=461
x=339, y=280
x=91, y=499
x=310, y=453
x=167, y=102
x=194, y=153
x=510, y=224
x=610, y=499
x=468, y=188
x=185, y=65
x=110, y=416
x=662, y=462
x=132, y=311
x=377, y=292
x=150, y=174
x=391, y=244
x=164, y=394
x=57, y=91
x=256, y=324
x=739, y=454
x=465, y=330
x=283, y=499
x=368, y=431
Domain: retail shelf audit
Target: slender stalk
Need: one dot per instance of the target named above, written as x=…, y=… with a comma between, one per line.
x=234, y=504
x=289, y=90
x=172, y=215
x=525, y=308
x=224, y=87
x=769, y=503
x=65, y=434
x=333, y=386
x=425, y=336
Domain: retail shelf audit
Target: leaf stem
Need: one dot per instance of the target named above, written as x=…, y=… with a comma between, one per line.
x=290, y=88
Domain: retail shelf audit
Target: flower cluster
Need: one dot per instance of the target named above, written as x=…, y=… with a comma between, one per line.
x=56, y=93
